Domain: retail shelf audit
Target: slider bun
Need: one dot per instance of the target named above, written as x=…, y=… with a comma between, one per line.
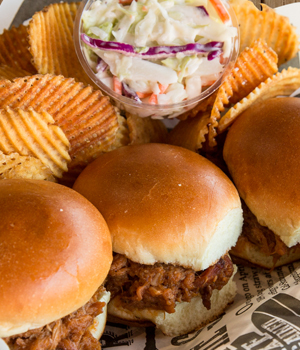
x=262, y=152
x=164, y=204
x=250, y=254
x=187, y=317
x=55, y=250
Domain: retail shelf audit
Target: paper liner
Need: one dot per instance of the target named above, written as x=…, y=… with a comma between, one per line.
x=144, y=130
x=253, y=66
x=51, y=42
x=87, y=118
x=190, y=133
x=275, y=29
x=14, y=166
x=281, y=84
x=14, y=49
x=33, y=134
x=10, y=73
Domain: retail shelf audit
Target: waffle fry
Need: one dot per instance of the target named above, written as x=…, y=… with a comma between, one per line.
x=275, y=29
x=14, y=49
x=190, y=133
x=32, y=134
x=11, y=73
x=144, y=130
x=281, y=84
x=253, y=66
x=14, y=166
x=88, y=119
x=51, y=42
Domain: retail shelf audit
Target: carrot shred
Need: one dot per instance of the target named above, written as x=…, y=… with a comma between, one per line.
x=222, y=59
x=222, y=12
x=153, y=99
x=117, y=85
x=162, y=88
x=143, y=94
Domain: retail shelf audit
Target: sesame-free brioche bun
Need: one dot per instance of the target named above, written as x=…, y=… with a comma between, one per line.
x=164, y=204
x=262, y=152
x=55, y=250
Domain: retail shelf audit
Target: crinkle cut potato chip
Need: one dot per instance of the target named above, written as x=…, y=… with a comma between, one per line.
x=190, y=133
x=113, y=138
x=29, y=133
x=14, y=166
x=11, y=73
x=51, y=42
x=253, y=66
x=87, y=118
x=14, y=49
x=275, y=29
x=281, y=84
x=145, y=130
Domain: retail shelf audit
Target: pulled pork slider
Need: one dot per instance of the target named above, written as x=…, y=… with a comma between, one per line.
x=262, y=152
x=55, y=252
x=173, y=216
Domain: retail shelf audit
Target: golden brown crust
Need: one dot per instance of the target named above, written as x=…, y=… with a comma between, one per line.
x=262, y=152
x=163, y=203
x=55, y=249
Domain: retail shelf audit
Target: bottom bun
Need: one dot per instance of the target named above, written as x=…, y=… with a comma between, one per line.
x=245, y=251
x=3, y=345
x=98, y=326
x=188, y=316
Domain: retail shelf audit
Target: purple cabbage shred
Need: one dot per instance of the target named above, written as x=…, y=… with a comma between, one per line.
x=203, y=10
x=128, y=92
x=155, y=52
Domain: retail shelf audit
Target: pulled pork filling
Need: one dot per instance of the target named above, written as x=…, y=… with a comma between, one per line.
x=160, y=286
x=266, y=240
x=68, y=333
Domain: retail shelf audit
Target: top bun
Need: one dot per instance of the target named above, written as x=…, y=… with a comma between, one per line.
x=262, y=152
x=55, y=250
x=164, y=204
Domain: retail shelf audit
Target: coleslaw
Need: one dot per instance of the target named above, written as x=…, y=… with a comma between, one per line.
x=158, y=51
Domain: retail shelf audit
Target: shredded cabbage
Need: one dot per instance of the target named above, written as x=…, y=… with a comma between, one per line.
x=148, y=24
